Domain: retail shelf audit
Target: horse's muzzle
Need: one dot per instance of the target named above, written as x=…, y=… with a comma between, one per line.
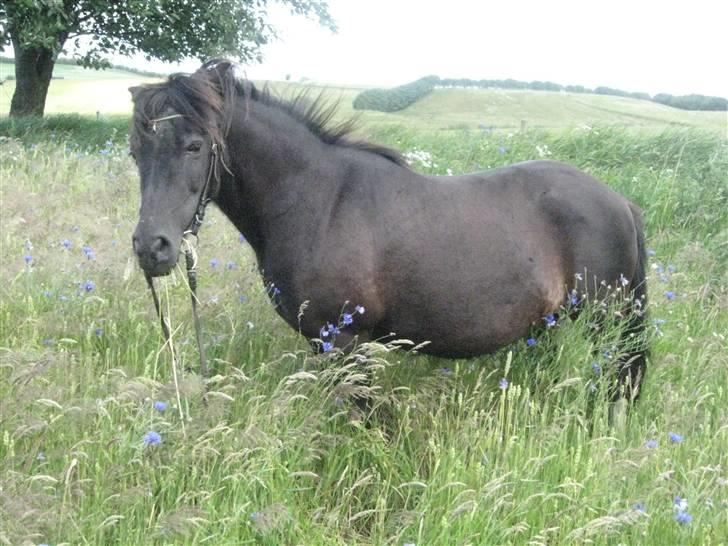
x=156, y=256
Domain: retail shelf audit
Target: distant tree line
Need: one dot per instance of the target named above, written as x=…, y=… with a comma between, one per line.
x=397, y=98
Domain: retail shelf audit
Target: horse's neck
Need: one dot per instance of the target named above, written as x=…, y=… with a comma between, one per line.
x=277, y=165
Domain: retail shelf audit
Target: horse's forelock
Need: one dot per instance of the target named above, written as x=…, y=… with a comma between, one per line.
x=202, y=98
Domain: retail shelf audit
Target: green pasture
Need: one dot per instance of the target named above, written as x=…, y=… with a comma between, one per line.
x=85, y=91
x=511, y=448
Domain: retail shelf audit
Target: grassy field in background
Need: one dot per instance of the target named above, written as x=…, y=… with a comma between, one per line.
x=88, y=91
x=510, y=448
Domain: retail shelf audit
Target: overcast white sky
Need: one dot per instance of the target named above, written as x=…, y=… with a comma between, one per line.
x=676, y=47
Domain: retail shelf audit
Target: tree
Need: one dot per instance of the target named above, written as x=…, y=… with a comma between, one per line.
x=168, y=30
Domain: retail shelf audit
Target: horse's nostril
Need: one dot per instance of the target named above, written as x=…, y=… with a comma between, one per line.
x=160, y=249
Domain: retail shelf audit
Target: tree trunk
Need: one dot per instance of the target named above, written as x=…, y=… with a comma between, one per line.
x=33, y=71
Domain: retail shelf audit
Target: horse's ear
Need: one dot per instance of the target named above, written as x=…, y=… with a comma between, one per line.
x=134, y=90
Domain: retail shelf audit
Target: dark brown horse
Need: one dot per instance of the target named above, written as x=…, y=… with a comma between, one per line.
x=468, y=263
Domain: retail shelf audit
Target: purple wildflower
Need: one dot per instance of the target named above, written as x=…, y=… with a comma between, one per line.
x=347, y=319
x=66, y=244
x=214, y=263
x=152, y=438
x=160, y=406
x=231, y=265
x=89, y=285
x=327, y=346
x=596, y=368
x=640, y=507
x=28, y=258
x=651, y=444
x=445, y=371
x=503, y=384
x=99, y=332
x=683, y=518
x=360, y=309
x=88, y=252
x=550, y=320
x=675, y=438
x=530, y=342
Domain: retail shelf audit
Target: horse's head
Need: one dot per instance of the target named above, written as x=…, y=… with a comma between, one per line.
x=174, y=137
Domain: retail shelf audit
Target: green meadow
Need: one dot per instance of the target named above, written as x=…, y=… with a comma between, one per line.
x=107, y=440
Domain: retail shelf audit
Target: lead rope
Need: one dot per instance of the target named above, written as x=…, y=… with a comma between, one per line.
x=191, y=262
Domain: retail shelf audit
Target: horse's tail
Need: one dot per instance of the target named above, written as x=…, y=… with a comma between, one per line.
x=632, y=371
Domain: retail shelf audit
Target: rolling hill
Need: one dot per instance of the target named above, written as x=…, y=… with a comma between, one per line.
x=88, y=91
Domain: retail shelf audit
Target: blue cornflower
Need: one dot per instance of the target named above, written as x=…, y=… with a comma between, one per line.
x=640, y=507
x=530, y=342
x=242, y=298
x=28, y=258
x=347, y=319
x=327, y=346
x=89, y=285
x=66, y=243
x=241, y=238
x=680, y=503
x=651, y=444
x=214, y=263
x=675, y=438
x=152, y=438
x=231, y=265
x=503, y=384
x=596, y=368
x=360, y=309
x=160, y=406
x=445, y=371
x=573, y=298
x=550, y=320
x=99, y=332
x=47, y=293
x=88, y=252
x=683, y=518
x=324, y=332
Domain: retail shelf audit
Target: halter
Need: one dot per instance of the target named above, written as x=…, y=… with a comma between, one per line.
x=190, y=255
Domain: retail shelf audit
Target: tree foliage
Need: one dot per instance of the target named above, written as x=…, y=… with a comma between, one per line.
x=395, y=98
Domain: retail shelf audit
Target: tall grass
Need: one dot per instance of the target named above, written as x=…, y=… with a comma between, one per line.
x=280, y=454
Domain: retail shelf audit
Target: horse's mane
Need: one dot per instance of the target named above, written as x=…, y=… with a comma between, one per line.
x=206, y=98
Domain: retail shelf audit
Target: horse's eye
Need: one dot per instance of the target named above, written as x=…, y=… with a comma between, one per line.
x=194, y=146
